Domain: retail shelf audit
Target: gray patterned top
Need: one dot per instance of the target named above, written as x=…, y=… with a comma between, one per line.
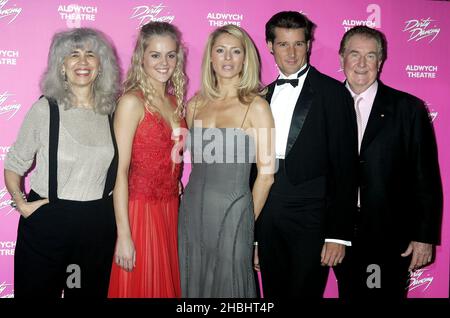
x=85, y=151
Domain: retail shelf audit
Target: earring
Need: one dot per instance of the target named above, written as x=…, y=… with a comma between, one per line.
x=66, y=83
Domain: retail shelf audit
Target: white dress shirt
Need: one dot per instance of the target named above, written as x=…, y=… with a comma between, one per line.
x=282, y=104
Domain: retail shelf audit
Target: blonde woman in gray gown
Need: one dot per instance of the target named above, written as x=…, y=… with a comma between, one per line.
x=231, y=127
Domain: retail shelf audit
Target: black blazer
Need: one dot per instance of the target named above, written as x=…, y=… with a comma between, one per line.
x=321, y=153
x=401, y=191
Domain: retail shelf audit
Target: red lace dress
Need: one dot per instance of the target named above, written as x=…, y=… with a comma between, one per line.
x=153, y=214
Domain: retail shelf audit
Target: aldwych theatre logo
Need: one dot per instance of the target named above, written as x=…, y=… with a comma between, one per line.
x=373, y=20
x=73, y=14
x=218, y=19
x=10, y=109
x=7, y=248
x=7, y=12
x=421, y=71
x=3, y=151
x=8, y=57
x=144, y=14
x=419, y=29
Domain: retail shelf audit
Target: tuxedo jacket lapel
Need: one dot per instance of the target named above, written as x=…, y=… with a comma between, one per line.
x=377, y=117
x=301, y=110
x=270, y=90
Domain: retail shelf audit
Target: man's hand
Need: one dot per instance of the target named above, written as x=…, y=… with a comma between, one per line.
x=332, y=254
x=421, y=254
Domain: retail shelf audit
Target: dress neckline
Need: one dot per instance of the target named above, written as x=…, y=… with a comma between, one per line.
x=222, y=128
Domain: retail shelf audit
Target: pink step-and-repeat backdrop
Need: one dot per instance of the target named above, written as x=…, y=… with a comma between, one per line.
x=418, y=63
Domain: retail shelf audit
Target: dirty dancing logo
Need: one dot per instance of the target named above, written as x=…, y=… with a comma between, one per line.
x=420, y=29
x=10, y=109
x=417, y=279
x=145, y=14
x=8, y=12
x=5, y=202
x=3, y=287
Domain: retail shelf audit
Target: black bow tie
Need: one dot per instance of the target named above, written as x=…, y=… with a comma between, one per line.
x=293, y=81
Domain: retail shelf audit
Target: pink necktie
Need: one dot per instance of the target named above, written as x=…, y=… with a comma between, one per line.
x=360, y=132
x=358, y=100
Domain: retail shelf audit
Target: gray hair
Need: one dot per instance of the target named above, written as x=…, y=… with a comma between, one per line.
x=106, y=85
x=369, y=33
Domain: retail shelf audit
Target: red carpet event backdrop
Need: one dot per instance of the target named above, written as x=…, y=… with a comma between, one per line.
x=418, y=63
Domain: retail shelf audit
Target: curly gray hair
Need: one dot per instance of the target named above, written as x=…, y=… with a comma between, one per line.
x=106, y=85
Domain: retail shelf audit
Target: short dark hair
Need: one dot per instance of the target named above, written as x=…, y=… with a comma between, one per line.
x=289, y=20
x=367, y=32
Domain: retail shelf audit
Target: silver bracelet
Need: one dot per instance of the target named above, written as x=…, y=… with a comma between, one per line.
x=14, y=193
x=13, y=201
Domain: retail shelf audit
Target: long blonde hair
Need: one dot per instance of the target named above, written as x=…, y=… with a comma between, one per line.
x=136, y=76
x=249, y=83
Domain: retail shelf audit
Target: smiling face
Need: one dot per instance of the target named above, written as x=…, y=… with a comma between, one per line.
x=360, y=62
x=289, y=49
x=160, y=58
x=81, y=68
x=227, y=56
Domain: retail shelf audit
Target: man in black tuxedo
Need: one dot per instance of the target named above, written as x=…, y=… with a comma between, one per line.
x=306, y=221
x=400, y=193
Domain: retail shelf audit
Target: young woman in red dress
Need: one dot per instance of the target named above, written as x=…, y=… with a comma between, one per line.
x=146, y=194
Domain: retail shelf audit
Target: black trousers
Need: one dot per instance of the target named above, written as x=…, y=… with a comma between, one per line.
x=289, y=232
x=62, y=244
x=372, y=269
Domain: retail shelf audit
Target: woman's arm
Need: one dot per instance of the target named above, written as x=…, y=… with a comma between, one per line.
x=191, y=108
x=21, y=155
x=263, y=130
x=13, y=182
x=129, y=113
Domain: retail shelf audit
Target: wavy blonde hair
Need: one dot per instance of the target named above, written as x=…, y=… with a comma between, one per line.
x=136, y=76
x=249, y=84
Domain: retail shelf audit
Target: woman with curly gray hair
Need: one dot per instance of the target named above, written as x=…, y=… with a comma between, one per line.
x=67, y=230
